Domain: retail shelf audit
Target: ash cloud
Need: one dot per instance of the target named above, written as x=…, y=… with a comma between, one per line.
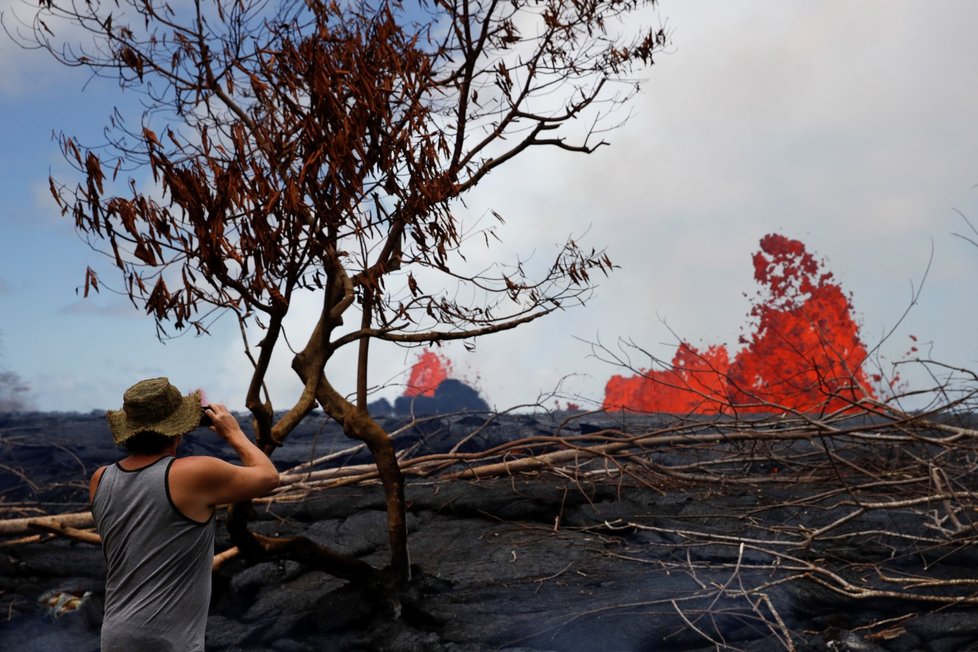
x=14, y=393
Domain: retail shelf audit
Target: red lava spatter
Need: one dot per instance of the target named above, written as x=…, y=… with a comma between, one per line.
x=804, y=353
x=427, y=374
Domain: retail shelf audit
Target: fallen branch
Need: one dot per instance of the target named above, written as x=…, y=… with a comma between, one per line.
x=20, y=526
x=75, y=534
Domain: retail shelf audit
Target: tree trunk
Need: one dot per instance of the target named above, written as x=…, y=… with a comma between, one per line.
x=358, y=424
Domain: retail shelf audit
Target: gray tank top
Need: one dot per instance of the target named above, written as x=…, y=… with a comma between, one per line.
x=158, y=586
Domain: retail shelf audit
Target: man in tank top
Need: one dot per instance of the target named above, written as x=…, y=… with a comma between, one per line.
x=155, y=515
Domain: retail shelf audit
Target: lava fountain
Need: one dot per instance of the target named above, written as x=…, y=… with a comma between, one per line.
x=427, y=374
x=803, y=354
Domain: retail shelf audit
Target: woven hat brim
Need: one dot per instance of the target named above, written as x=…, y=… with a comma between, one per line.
x=185, y=419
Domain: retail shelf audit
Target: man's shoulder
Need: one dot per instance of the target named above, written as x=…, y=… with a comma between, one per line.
x=94, y=481
x=97, y=475
x=199, y=467
x=197, y=463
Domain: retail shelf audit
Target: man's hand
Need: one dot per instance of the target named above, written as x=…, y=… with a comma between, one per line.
x=222, y=421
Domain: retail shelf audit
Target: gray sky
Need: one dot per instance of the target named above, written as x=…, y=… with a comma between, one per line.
x=847, y=125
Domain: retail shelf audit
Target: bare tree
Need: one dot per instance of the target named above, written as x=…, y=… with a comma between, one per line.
x=320, y=147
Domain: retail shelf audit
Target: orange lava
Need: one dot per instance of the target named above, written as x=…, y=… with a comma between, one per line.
x=804, y=353
x=427, y=374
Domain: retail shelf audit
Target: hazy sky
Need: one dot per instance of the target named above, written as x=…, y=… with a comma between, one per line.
x=848, y=125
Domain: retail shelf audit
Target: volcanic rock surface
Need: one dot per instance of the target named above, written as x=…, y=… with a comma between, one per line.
x=538, y=563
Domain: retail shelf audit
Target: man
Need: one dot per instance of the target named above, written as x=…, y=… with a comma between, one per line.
x=155, y=515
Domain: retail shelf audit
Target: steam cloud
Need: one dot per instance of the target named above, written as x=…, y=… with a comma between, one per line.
x=14, y=391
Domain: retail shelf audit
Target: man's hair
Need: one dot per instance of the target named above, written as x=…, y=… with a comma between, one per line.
x=147, y=443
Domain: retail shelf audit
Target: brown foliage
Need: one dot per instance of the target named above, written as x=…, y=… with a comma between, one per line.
x=320, y=147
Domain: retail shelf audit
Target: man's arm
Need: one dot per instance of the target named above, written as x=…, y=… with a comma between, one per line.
x=208, y=481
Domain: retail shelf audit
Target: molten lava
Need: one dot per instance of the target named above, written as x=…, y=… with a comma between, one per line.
x=427, y=374
x=804, y=353
x=694, y=382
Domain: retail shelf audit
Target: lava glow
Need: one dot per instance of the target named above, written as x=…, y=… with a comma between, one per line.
x=427, y=374
x=804, y=353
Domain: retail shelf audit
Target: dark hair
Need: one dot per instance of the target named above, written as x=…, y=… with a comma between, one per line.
x=147, y=443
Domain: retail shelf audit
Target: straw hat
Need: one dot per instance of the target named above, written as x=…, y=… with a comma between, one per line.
x=154, y=405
